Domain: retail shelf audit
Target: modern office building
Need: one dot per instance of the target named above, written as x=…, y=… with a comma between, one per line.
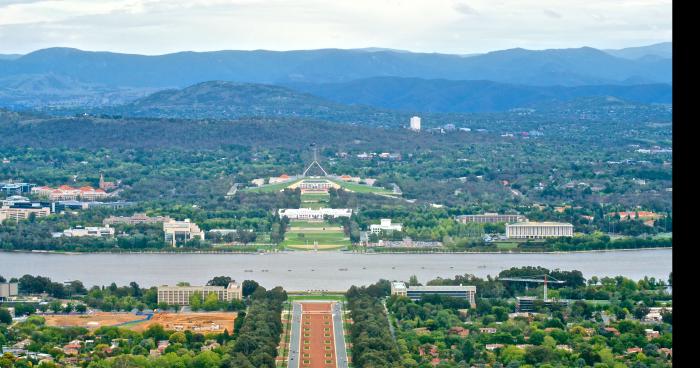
x=529, y=303
x=384, y=225
x=314, y=214
x=415, y=123
x=417, y=292
x=10, y=188
x=138, y=218
x=538, y=230
x=8, y=289
x=180, y=295
x=491, y=218
x=177, y=232
x=94, y=231
x=20, y=210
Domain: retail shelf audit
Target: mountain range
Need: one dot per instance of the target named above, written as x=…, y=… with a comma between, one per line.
x=567, y=67
x=315, y=81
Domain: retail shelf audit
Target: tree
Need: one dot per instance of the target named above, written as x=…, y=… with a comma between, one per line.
x=211, y=303
x=196, y=301
x=5, y=316
x=249, y=287
x=219, y=281
x=155, y=332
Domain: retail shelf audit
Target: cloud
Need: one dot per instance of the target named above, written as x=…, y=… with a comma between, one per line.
x=448, y=26
x=551, y=13
x=465, y=9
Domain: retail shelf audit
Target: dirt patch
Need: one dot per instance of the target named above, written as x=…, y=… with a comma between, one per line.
x=195, y=322
x=92, y=320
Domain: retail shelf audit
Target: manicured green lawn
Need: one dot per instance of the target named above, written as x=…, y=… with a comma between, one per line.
x=316, y=224
x=270, y=187
x=361, y=188
x=506, y=245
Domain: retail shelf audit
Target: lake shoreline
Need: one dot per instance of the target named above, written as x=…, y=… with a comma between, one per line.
x=329, y=251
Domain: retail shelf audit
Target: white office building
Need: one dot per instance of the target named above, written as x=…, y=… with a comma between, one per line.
x=180, y=295
x=314, y=214
x=415, y=123
x=94, y=231
x=384, y=225
x=538, y=230
x=181, y=231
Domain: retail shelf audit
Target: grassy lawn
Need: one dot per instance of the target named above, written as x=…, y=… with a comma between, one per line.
x=270, y=187
x=506, y=245
x=315, y=197
x=330, y=238
x=361, y=188
x=308, y=224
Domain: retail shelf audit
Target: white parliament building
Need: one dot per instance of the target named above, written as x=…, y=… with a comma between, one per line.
x=538, y=230
x=314, y=214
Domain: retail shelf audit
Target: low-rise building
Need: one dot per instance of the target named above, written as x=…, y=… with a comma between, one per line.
x=66, y=193
x=314, y=214
x=177, y=232
x=10, y=188
x=80, y=231
x=23, y=210
x=385, y=225
x=491, y=218
x=417, y=292
x=138, y=218
x=180, y=295
x=538, y=230
x=8, y=289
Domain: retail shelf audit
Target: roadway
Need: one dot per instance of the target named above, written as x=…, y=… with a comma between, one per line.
x=339, y=335
x=295, y=336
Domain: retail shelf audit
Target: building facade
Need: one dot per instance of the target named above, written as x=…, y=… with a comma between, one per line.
x=177, y=232
x=15, y=188
x=22, y=211
x=491, y=218
x=8, y=289
x=417, y=292
x=67, y=193
x=384, y=225
x=138, y=218
x=415, y=123
x=180, y=295
x=94, y=231
x=539, y=230
x=314, y=214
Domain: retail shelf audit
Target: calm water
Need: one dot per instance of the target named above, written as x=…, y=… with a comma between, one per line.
x=318, y=271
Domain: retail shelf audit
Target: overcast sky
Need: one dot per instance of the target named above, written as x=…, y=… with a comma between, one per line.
x=448, y=26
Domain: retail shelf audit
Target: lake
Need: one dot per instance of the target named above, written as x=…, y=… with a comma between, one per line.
x=318, y=271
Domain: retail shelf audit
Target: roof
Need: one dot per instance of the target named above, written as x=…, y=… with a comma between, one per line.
x=442, y=288
x=546, y=223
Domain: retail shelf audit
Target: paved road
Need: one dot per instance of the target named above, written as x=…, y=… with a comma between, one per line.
x=340, y=351
x=295, y=336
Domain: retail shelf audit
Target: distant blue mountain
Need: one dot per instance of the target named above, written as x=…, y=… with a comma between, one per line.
x=440, y=95
x=566, y=67
x=663, y=50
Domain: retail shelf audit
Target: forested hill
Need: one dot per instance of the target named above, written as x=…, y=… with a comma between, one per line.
x=441, y=95
x=127, y=133
x=230, y=100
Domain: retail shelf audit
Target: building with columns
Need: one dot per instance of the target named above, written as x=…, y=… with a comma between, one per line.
x=538, y=230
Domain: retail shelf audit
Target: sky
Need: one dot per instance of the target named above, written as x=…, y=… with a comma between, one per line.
x=155, y=27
